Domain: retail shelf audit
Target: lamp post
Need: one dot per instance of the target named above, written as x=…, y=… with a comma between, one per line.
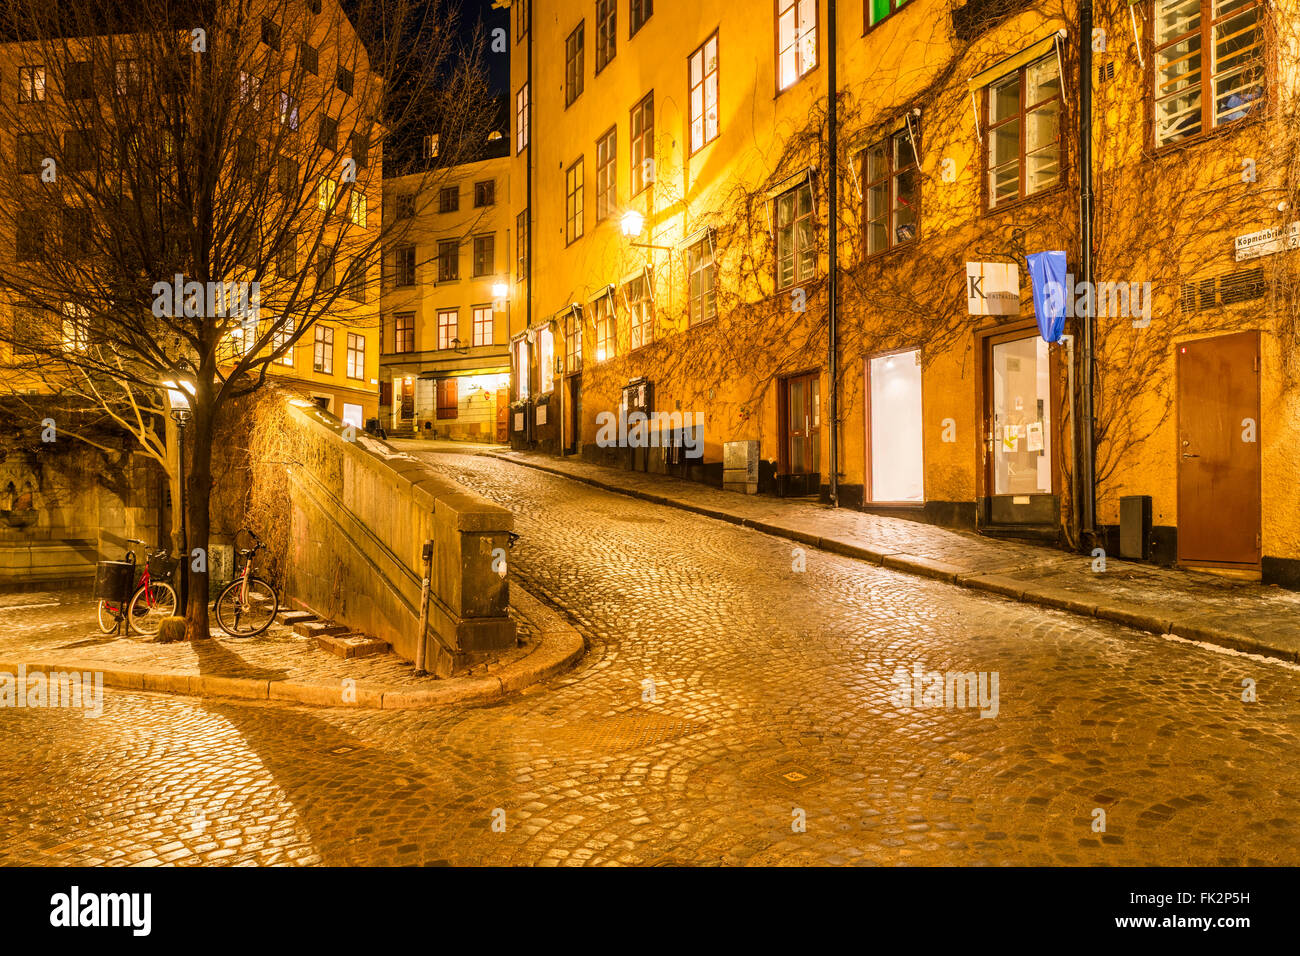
x=178, y=398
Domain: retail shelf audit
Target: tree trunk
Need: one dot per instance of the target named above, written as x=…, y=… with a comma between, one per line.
x=198, y=492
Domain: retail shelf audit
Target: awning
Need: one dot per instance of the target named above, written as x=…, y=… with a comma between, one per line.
x=463, y=372
x=1012, y=63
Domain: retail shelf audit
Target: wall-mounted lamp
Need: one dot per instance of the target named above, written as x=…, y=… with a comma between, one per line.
x=632, y=223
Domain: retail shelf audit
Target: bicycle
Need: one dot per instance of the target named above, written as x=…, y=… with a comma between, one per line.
x=152, y=599
x=247, y=605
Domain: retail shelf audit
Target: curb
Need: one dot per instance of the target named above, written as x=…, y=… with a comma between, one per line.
x=991, y=582
x=559, y=647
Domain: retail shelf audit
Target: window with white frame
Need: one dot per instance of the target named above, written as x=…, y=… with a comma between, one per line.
x=702, y=297
x=640, y=308
x=448, y=320
x=702, y=73
x=796, y=28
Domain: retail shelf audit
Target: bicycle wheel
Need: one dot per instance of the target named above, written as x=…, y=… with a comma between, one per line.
x=108, y=616
x=149, y=605
x=251, y=617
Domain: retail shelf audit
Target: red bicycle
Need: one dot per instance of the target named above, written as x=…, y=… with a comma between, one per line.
x=151, y=600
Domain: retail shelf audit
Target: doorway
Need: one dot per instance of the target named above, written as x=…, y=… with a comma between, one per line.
x=1218, y=451
x=503, y=416
x=1019, y=479
x=573, y=427
x=799, y=401
x=895, y=457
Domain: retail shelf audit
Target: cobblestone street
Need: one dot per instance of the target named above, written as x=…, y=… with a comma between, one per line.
x=726, y=696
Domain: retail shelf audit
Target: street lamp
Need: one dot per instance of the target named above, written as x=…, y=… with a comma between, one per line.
x=179, y=392
x=631, y=224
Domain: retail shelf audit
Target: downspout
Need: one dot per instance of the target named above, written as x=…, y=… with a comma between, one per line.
x=1087, y=463
x=832, y=310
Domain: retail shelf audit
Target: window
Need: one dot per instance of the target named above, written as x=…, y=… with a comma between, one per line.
x=877, y=10
x=130, y=77
x=796, y=255
x=280, y=340
x=78, y=240
x=448, y=319
x=345, y=81
x=640, y=308
x=29, y=153
x=796, y=25
x=329, y=133
x=325, y=191
x=546, y=359
x=448, y=199
x=573, y=65
x=288, y=111
x=250, y=89
x=309, y=58
x=270, y=33
x=521, y=119
x=404, y=332
x=448, y=260
x=638, y=15
x=76, y=327
x=483, y=325
x=78, y=151
x=702, y=300
x=288, y=170
x=359, y=146
x=573, y=202
x=1024, y=134
x=484, y=255
x=703, y=75
x=286, y=259
x=521, y=19
x=893, y=192
x=356, y=355
x=894, y=453
x=447, y=398
x=325, y=271
x=521, y=244
x=1185, y=30
x=404, y=205
x=354, y=283
x=429, y=146
x=643, y=143
x=404, y=267
x=485, y=193
x=30, y=239
x=522, y=371
x=606, y=32
x=323, y=350
x=30, y=325
x=357, y=208
x=573, y=339
x=606, y=323
x=79, y=80
x=606, y=174
x=31, y=84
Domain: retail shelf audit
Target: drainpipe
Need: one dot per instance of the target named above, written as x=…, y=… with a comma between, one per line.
x=1087, y=463
x=832, y=309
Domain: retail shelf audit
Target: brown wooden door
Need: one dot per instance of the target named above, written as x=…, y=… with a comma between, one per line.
x=503, y=415
x=800, y=410
x=1218, y=450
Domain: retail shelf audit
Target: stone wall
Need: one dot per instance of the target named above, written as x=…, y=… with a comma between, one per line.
x=360, y=514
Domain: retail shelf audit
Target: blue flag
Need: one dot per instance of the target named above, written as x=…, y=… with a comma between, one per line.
x=1047, y=278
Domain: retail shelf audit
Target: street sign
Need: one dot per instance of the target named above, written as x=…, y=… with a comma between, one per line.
x=1267, y=242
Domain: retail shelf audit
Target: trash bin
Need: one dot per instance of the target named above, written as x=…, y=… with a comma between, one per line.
x=114, y=580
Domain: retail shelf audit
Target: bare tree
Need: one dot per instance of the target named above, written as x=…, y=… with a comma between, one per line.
x=198, y=184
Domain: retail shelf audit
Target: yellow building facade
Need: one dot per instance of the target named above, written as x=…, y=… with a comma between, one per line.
x=675, y=172
x=446, y=304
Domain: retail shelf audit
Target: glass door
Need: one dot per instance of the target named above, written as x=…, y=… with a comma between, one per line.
x=1019, y=432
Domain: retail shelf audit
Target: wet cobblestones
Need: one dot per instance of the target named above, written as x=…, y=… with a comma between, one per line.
x=724, y=693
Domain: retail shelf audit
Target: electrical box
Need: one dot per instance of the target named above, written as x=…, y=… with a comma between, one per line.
x=1135, y=527
x=740, y=466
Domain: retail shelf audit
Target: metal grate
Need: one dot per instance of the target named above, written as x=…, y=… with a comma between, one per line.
x=1229, y=288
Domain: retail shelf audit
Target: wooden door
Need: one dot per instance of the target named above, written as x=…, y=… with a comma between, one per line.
x=800, y=408
x=574, y=425
x=1218, y=451
x=503, y=415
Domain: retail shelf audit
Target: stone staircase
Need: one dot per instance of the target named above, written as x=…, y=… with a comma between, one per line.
x=338, y=639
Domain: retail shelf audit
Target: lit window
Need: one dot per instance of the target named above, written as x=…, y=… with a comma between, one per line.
x=1024, y=132
x=357, y=208
x=606, y=328
x=356, y=356
x=573, y=339
x=323, y=350
x=448, y=319
x=640, y=307
x=521, y=119
x=796, y=40
x=288, y=111
x=325, y=191
x=877, y=10
x=703, y=75
x=893, y=192
x=483, y=325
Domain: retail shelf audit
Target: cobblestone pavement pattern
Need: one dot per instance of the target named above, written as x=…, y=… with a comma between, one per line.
x=725, y=695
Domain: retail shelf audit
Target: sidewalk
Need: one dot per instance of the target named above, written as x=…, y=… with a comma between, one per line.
x=1196, y=606
x=56, y=631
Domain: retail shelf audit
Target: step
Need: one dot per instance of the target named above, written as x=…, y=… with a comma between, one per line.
x=317, y=628
x=352, y=644
x=295, y=617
